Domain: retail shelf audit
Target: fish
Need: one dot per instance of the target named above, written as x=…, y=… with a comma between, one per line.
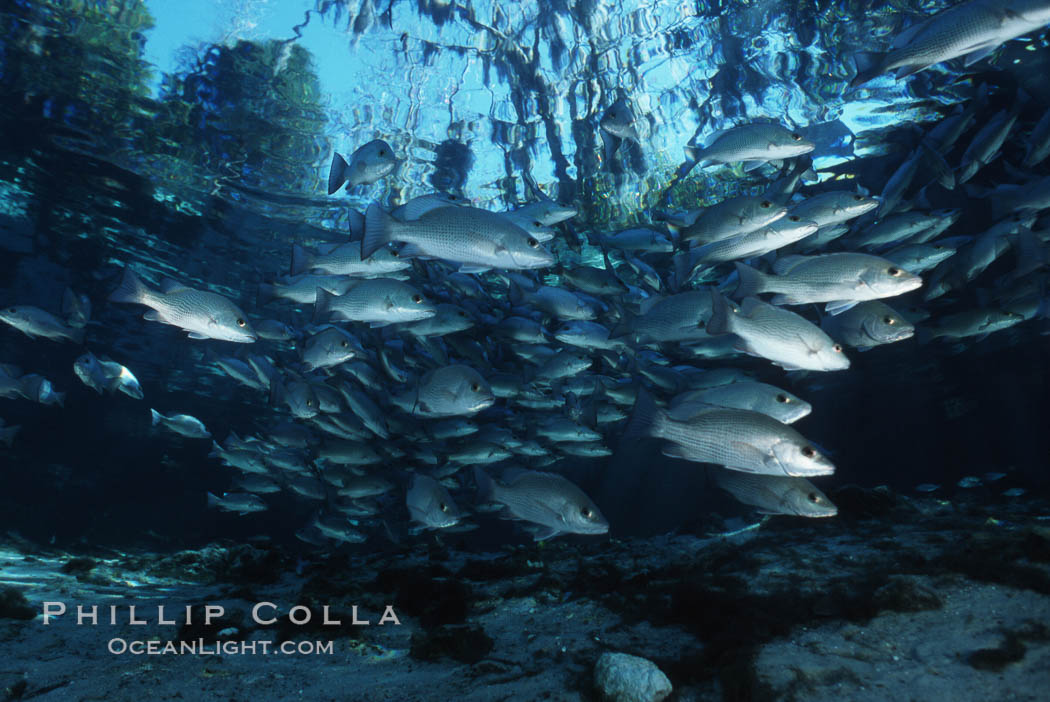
x=833, y=207
x=447, y=319
x=330, y=347
x=732, y=217
x=106, y=375
x=775, y=494
x=451, y=391
x=868, y=324
x=367, y=164
x=840, y=279
x=927, y=487
x=781, y=336
x=430, y=504
x=378, y=301
x=661, y=319
x=754, y=144
x=183, y=424
x=36, y=322
x=734, y=438
x=200, y=313
x=547, y=500
x=240, y=502
x=750, y=395
x=466, y=235
x=345, y=259
x=777, y=235
x=979, y=322
x=8, y=432
x=972, y=29
x=616, y=125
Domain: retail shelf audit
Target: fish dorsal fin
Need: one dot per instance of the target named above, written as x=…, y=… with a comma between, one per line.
x=648, y=303
x=783, y=266
x=417, y=207
x=169, y=285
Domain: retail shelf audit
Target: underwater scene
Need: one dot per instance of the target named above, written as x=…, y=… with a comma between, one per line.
x=581, y=350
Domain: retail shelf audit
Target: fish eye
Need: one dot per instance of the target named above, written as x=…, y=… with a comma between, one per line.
x=476, y=387
x=894, y=271
x=701, y=324
x=241, y=322
x=813, y=497
x=453, y=198
x=809, y=451
x=444, y=507
x=461, y=313
x=417, y=298
x=858, y=198
x=395, y=253
x=837, y=348
x=796, y=137
x=766, y=204
x=382, y=152
x=782, y=398
x=532, y=242
x=536, y=223
x=795, y=218
x=309, y=403
x=587, y=512
x=344, y=343
x=938, y=247
x=889, y=320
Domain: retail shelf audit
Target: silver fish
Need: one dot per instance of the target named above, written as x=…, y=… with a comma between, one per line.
x=775, y=494
x=33, y=321
x=781, y=336
x=549, y=501
x=430, y=503
x=754, y=144
x=465, y=235
x=203, y=314
x=738, y=439
x=870, y=323
x=367, y=164
x=973, y=29
x=182, y=424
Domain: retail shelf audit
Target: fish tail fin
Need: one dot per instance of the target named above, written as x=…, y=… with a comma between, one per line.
x=751, y=282
x=624, y=327
x=265, y=294
x=611, y=144
x=378, y=230
x=646, y=417
x=869, y=65
x=131, y=289
x=301, y=260
x=60, y=398
x=213, y=500
x=720, y=312
x=336, y=174
x=155, y=417
x=515, y=294
x=684, y=266
x=322, y=305
x=486, y=485
x=694, y=153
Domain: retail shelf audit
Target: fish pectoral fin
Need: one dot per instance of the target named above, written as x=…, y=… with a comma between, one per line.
x=751, y=455
x=197, y=335
x=975, y=56
x=675, y=451
x=809, y=349
x=542, y=533
x=839, y=306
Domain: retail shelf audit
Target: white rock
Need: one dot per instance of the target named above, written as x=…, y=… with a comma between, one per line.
x=624, y=678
